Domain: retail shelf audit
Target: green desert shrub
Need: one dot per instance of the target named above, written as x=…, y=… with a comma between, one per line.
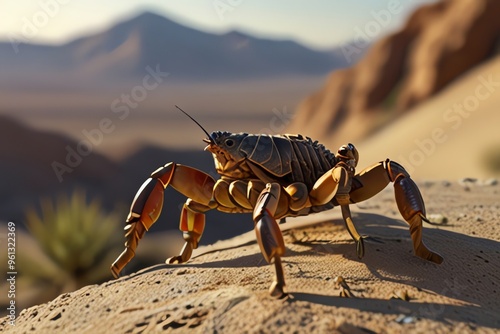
x=78, y=239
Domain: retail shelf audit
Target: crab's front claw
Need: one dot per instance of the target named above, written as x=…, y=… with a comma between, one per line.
x=135, y=231
x=148, y=202
x=144, y=211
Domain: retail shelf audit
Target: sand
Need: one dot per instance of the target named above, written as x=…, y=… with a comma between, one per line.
x=223, y=289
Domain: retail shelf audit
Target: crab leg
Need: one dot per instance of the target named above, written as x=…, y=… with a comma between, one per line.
x=269, y=235
x=360, y=246
x=192, y=224
x=411, y=206
x=148, y=202
x=374, y=179
x=337, y=184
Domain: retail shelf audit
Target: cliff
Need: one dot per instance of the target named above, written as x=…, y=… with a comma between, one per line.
x=438, y=44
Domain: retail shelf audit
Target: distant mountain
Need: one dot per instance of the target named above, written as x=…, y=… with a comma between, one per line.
x=128, y=48
x=27, y=169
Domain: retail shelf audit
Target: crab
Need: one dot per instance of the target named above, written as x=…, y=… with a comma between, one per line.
x=272, y=177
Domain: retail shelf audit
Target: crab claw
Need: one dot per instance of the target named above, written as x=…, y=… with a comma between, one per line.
x=411, y=206
x=148, y=202
x=144, y=212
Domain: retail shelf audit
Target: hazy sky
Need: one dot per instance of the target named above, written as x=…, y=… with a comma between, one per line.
x=318, y=24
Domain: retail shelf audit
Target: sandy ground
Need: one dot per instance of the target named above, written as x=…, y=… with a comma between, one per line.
x=223, y=289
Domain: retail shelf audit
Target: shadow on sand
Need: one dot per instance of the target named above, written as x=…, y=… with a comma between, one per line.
x=469, y=272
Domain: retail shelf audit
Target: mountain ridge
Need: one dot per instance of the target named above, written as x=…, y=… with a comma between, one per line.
x=126, y=48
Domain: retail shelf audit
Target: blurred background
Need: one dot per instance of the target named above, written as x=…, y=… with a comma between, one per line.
x=87, y=95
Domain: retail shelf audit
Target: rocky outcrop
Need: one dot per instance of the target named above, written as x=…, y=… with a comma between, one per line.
x=439, y=42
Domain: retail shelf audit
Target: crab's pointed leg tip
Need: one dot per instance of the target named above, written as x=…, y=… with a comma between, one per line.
x=436, y=258
x=360, y=248
x=115, y=272
x=276, y=291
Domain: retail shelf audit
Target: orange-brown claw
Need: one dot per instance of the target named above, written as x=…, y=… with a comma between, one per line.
x=148, y=202
x=134, y=232
x=420, y=248
x=144, y=212
x=375, y=178
x=411, y=206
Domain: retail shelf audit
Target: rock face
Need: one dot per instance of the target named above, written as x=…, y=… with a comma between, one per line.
x=439, y=42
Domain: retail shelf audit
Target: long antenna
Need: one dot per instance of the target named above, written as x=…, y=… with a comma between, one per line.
x=185, y=113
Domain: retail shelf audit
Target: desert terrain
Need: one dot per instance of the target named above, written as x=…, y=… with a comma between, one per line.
x=224, y=287
x=426, y=96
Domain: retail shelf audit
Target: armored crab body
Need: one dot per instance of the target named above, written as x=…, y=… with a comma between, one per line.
x=272, y=177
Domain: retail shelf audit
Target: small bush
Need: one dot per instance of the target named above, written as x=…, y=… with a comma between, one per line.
x=78, y=238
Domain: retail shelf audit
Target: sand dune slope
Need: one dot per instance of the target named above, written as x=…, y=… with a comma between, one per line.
x=448, y=136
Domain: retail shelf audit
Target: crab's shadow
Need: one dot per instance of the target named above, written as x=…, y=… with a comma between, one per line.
x=468, y=273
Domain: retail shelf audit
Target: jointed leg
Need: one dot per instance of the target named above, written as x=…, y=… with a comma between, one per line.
x=360, y=245
x=144, y=211
x=411, y=206
x=337, y=183
x=374, y=179
x=192, y=224
x=148, y=202
x=269, y=235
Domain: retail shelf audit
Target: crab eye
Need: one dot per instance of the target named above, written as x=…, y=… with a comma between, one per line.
x=229, y=142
